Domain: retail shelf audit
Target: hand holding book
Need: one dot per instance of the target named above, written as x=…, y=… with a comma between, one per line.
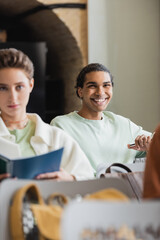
x=4, y=176
x=29, y=168
x=58, y=175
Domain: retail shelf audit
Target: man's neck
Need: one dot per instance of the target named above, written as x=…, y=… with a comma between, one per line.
x=93, y=116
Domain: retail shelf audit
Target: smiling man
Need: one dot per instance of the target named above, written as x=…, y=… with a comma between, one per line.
x=95, y=93
x=102, y=135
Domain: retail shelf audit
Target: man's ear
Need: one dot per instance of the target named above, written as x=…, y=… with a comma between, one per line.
x=79, y=90
x=31, y=83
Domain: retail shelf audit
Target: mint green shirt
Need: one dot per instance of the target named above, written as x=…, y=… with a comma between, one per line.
x=103, y=141
x=23, y=137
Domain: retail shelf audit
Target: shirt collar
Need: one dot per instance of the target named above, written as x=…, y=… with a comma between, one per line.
x=42, y=130
x=3, y=129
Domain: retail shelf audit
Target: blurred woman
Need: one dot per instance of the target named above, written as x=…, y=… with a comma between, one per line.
x=152, y=169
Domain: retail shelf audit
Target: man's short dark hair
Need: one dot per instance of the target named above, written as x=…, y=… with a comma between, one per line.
x=92, y=67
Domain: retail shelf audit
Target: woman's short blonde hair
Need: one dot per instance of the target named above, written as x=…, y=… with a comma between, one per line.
x=13, y=58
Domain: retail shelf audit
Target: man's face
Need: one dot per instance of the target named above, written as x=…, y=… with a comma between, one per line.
x=96, y=92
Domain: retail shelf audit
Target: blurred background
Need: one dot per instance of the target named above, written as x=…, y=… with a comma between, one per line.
x=62, y=36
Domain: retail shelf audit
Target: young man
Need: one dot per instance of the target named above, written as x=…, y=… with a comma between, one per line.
x=102, y=135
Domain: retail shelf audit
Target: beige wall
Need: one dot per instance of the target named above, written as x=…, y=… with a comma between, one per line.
x=125, y=36
x=76, y=21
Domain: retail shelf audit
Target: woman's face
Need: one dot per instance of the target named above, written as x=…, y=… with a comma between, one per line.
x=15, y=89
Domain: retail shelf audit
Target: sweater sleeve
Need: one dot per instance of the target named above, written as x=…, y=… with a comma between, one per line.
x=137, y=131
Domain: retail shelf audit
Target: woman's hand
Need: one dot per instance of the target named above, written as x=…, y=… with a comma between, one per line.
x=59, y=175
x=4, y=176
x=141, y=143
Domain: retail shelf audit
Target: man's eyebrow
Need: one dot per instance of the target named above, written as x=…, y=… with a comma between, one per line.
x=96, y=83
x=90, y=83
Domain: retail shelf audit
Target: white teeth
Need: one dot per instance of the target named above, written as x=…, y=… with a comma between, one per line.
x=99, y=100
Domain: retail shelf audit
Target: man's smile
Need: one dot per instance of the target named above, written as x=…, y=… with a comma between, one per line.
x=100, y=101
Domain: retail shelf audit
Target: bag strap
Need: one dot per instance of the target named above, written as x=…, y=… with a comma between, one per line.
x=108, y=170
x=16, y=209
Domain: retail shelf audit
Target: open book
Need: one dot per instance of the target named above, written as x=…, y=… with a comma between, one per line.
x=30, y=167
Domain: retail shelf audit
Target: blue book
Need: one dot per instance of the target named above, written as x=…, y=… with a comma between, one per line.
x=30, y=167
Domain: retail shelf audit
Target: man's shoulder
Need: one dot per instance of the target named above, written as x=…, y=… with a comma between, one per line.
x=114, y=116
x=64, y=118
